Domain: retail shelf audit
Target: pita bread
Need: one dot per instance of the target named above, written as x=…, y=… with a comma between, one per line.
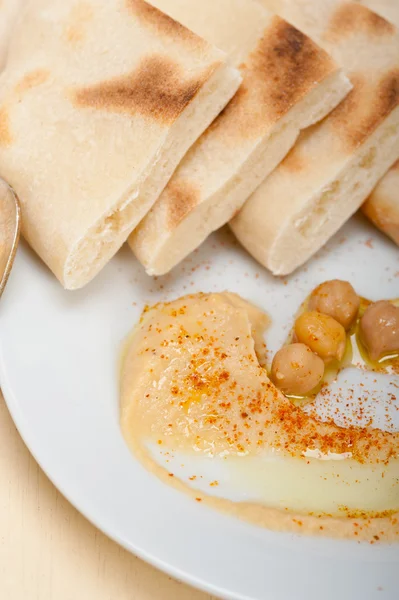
x=385, y=8
x=382, y=206
x=289, y=83
x=10, y=10
x=98, y=104
x=335, y=164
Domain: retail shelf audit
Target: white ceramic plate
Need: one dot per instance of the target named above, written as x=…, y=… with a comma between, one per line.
x=59, y=373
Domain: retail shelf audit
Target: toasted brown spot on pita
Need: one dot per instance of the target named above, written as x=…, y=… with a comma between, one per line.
x=156, y=89
x=395, y=166
x=232, y=120
x=162, y=23
x=31, y=80
x=366, y=106
x=181, y=197
x=293, y=162
x=5, y=131
x=350, y=19
x=75, y=29
x=286, y=65
x=282, y=69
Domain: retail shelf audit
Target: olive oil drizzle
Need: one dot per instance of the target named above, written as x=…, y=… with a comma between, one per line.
x=355, y=356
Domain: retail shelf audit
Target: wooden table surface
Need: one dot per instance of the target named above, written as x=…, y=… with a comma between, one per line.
x=48, y=551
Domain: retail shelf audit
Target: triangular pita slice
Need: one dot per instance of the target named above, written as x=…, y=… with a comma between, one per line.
x=335, y=164
x=289, y=84
x=99, y=103
x=382, y=206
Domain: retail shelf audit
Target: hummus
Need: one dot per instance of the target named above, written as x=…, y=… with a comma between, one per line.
x=192, y=380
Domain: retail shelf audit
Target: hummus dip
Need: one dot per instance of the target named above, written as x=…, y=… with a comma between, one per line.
x=192, y=380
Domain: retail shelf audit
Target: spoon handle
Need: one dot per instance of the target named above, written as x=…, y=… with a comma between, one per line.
x=10, y=228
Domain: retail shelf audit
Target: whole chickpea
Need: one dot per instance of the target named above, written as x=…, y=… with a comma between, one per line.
x=323, y=334
x=296, y=370
x=379, y=329
x=337, y=299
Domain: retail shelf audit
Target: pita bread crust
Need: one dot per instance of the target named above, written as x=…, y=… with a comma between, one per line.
x=92, y=125
x=382, y=206
x=337, y=162
x=285, y=75
x=366, y=107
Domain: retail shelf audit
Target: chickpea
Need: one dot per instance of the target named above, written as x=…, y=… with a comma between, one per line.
x=379, y=329
x=338, y=299
x=323, y=334
x=296, y=370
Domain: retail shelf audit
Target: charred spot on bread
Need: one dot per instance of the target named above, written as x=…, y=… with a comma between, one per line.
x=284, y=66
x=180, y=196
x=162, y=23
x=291, y=63
x=237, y=120
x=351, y=19
x=293, y=161
x=156, y=89
x=366, y=106
x=31, y=80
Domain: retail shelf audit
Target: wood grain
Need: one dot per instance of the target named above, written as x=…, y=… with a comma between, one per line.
x=48, y=551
